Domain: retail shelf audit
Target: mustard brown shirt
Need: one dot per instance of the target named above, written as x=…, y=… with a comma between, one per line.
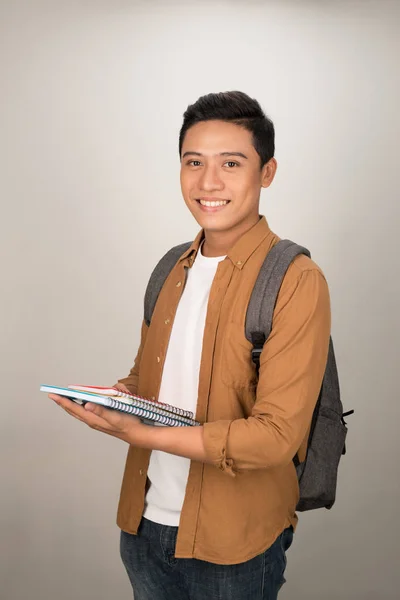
x=237, y=505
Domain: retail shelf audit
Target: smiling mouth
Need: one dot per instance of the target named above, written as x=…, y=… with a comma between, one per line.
x=212, y=203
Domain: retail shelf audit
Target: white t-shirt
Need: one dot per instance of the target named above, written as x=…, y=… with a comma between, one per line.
x=167, y=473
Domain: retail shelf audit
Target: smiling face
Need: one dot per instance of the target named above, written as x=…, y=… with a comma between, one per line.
x=221, y=178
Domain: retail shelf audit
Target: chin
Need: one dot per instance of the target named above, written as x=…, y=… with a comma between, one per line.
x=216, y=221
x=216, y=224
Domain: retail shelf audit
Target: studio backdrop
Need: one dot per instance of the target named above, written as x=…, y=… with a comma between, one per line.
x=92, y=98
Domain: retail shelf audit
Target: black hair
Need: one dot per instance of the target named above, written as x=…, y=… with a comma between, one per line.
x=234, y=107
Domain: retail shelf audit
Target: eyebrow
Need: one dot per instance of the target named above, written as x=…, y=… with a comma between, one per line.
x=221, y=154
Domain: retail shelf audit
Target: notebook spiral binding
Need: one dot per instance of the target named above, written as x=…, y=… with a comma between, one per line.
x=158, y=405
x=151, y=415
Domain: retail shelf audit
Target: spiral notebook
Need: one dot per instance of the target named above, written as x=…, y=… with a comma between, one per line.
x=107, y=391
x=149, y=411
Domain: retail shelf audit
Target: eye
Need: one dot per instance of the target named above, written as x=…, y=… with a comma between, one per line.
x=231, y=163
x=194, y=163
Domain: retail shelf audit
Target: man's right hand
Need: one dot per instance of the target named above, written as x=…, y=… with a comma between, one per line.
x=122, y=388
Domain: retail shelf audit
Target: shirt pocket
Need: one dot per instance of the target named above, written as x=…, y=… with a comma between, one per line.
x=237, y=368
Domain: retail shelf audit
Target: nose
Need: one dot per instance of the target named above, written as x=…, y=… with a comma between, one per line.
x=210, y=180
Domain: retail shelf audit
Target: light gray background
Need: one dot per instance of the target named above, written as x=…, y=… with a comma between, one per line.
x=92, y=95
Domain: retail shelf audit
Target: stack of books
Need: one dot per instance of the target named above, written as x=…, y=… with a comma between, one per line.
x=149, y=411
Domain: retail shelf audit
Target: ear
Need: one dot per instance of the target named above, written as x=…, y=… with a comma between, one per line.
x=268, y=173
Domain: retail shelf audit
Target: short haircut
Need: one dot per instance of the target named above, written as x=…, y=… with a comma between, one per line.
x=237, y=108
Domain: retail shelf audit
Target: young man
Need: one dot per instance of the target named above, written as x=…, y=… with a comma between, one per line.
x=209, y=511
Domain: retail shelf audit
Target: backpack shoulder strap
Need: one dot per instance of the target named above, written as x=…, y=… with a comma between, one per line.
x=266, y=289
x=159, y=276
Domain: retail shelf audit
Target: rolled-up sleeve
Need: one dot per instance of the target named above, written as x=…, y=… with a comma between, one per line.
x=131, y=381
x=292, y=366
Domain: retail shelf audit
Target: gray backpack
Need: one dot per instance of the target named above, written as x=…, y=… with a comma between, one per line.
x=317, y=474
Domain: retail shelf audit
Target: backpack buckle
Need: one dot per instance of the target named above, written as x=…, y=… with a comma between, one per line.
x=255, y=356
x=258, y=341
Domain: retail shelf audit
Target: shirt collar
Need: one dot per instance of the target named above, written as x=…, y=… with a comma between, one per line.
x=192, y=251
x=241, y=251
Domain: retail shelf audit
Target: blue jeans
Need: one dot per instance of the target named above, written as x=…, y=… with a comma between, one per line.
x=155, y=574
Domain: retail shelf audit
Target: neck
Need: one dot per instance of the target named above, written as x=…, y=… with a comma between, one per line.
x=218, y=243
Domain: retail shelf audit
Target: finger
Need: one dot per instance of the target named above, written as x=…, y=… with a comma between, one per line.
x=91, y=420
x=117, y=434
x=110, y=417
x=68, y=410
x=67, y=403
x=56, y=397
x=116, y=419
x=122, y=388
x=97, y=417
x=73, y=415
x=90, y=413
x=75, y=410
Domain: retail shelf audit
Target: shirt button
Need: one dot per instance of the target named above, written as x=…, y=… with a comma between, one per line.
x=153, y=397
x=166, y=321
x=179, y=284
x=141, y=472
x=158, y=359
x=239, y=262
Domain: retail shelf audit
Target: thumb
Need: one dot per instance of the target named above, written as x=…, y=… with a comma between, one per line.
x=107, y=414
x=122, y=388
x=94, y=408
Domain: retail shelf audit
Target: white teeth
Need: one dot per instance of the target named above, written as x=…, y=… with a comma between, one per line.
x=218, y=203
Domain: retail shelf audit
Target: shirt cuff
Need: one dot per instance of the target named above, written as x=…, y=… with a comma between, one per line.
x=215, y=439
